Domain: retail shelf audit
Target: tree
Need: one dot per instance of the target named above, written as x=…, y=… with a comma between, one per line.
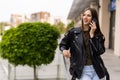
x=60, y=26
x=30, y=44
x=2, y=24
x=70, y=25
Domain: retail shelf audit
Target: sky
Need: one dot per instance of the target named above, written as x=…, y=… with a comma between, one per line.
x=26, y=7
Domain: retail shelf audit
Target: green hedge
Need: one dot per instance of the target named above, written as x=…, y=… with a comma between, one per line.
x=30, y=43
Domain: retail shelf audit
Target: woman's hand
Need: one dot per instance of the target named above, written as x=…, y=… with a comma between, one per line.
x=66, y=53
x=93, y=28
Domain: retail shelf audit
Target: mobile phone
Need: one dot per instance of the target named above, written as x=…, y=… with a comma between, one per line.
x=95, y=20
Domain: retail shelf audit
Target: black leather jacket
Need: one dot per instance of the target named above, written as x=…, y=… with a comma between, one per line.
x=73, y=40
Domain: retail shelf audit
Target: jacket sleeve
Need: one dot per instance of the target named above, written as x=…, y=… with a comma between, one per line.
x=97, y=44
x=65, y=42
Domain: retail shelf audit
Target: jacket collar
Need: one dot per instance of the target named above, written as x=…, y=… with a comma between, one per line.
x=77, y=30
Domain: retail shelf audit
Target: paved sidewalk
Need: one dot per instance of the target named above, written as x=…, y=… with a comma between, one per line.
x=50, y=71
x=112, y=63
x=3, y=75
x=53, y=71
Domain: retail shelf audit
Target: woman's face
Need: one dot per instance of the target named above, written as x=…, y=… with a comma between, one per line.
x=87, y=17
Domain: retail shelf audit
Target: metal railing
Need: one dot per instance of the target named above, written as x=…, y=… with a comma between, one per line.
x=66, y=65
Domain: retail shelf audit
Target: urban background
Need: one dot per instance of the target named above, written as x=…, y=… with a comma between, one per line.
x=109, y=17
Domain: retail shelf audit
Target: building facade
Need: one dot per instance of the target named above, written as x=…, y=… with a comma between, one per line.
x=17, y=19
x=40, y=17
x=117, y=29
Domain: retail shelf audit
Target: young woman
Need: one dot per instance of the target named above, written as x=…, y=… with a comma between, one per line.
x=84, y=45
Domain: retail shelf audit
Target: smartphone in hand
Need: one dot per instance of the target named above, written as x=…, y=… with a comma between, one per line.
x=95, y=20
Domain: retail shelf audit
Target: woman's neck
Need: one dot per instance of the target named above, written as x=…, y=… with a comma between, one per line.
x=85, y=27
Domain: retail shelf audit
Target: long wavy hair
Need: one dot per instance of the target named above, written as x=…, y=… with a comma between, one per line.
x=94, y=15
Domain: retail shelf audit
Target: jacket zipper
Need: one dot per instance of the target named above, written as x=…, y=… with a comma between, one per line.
x=80, y=52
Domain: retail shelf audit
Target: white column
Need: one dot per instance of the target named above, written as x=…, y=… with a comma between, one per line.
x=117, y=29
x=104, y=18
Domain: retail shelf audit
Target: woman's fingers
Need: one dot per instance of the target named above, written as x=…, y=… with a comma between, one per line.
x=66, y=53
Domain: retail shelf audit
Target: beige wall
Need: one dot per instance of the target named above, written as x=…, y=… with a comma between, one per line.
x=117, y=29
x=104, y=18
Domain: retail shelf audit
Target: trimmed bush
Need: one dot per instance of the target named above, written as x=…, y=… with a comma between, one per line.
x=30, y=44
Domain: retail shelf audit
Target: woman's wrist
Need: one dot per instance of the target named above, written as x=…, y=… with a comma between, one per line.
x=91, y=35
